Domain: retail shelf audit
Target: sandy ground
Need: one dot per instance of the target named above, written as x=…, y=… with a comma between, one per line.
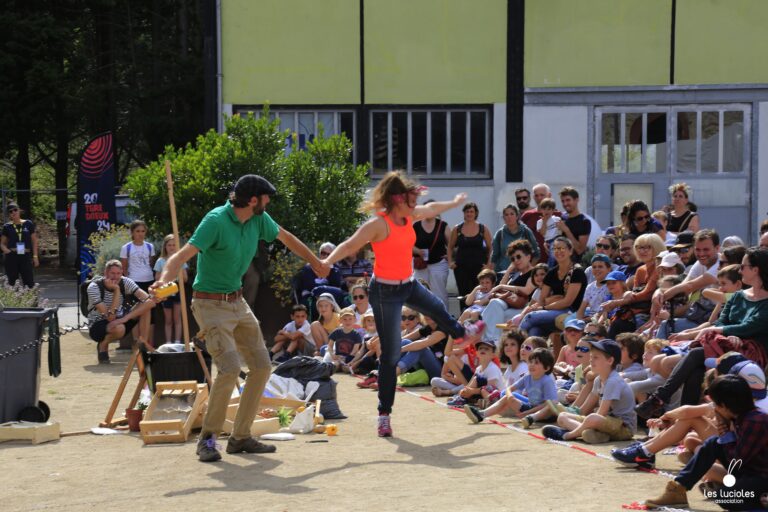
x=438, y=460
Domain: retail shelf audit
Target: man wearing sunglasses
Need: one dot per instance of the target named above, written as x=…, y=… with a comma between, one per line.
x=684, y=248
x=523, y=200
x=19, y=245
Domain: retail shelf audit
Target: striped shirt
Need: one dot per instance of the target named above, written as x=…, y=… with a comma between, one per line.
x=94, y=297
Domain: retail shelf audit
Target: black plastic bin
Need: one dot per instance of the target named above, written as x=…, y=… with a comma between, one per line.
x=21, y=330
x=174, y=366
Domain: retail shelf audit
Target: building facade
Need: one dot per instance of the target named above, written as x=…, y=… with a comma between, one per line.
x=619, y=98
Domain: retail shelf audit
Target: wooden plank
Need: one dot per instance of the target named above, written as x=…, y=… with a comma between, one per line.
x=27, y=431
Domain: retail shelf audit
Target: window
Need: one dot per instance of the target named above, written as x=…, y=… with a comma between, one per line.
x=438, y=143
x=306, y=124
x=707, y=140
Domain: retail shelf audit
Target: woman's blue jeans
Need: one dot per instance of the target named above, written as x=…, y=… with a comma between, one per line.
x=496, y=312
x=541, y=322
x=425, y=357
x=387, y=301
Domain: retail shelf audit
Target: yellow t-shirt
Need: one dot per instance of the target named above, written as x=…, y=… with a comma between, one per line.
x=333, y=324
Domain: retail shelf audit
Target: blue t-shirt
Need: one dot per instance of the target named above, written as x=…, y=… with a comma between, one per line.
x=537, y=390
x=344, y=342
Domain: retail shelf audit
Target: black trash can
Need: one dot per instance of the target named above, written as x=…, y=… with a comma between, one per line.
x=20, y=332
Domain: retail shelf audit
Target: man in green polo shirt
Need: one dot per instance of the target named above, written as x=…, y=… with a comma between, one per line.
x=225, y=242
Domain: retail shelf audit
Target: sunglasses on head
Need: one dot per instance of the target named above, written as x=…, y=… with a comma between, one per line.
x=603, y=246
x=581, y=349
x=527, y=348
x=408, y=317
x=358, y=297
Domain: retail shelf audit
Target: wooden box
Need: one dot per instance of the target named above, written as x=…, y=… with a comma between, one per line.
x=260, y=425
x=174, y=410
x=28, y=431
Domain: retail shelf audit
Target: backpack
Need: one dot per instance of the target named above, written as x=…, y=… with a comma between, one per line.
x=84, y=309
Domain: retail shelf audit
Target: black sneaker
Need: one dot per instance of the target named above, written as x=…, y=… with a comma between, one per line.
x=553, y=432
x=653, y=407
x=473, y=413
x=249, y=445
x=207, y=449
x=103, y=356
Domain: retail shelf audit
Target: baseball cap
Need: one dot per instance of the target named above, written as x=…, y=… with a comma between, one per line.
x=684, y=239
x=250, y=185
x=11, y=206
x=346, y=312
x=671, y=260
x=609, y=347
x=616, y=275
x=601, y=257
x=736, y=364
x=575, y=323
x=486, y=342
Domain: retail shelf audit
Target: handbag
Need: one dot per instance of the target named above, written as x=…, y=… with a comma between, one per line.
x=513, y=300
x=418, y=261
x=698, y=313
x=715, y=345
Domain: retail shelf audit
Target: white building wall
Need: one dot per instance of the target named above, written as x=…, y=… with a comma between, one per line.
x=761, y=194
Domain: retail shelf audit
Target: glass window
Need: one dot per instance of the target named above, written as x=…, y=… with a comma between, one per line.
x=379, y=137
x=633, y=139
x=733, y=141
x=656, y=142
x=325, y=119
x=710, y=141
x=610, y=150
x=687, y=134
x=438, y=142
x=458, y=142
x=399, y=140
x=478, y=144
x=419, y=142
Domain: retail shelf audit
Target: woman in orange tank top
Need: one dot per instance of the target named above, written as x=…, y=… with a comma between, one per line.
x=392, y=237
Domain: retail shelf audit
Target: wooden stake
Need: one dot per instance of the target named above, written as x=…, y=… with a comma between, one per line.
x=182, y=287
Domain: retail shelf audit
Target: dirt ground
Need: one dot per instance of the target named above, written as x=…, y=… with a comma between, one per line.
x=437, y=455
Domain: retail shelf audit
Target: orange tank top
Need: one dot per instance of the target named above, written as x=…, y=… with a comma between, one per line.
x=394, y=254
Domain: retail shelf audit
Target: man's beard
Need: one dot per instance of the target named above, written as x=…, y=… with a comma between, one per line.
x=258, y=209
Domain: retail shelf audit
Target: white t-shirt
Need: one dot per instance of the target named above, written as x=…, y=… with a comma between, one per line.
x=698, y=270
x=304, y=329
x=552, y=230
x=492, y=373
x=139, y=268
x=511, y=376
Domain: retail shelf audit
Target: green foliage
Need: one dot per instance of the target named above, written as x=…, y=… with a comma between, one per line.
x=106, y=246
x=19, y=296
x=318, y=189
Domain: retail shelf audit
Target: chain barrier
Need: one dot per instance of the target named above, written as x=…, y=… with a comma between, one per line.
x=21, y=349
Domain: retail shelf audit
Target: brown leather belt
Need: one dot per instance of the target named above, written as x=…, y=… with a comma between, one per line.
x=229, y=297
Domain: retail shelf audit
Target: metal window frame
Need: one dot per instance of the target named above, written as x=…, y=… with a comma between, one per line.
x=671, y=111
x=448, y=174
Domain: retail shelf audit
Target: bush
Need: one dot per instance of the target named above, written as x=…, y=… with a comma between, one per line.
x=18, y=296
x=318, y=189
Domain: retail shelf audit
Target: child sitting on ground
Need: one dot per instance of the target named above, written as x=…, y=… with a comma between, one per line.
x=344, y=342
x=641, y=385
x=675, y=307
x=295, y=337
x=567, y=359
x=538, y=386
x=572, y=394
x=615, y=419
x=479, y=297
x=365, y=360
x=460, y=362
x=486, y=379
x=510, y=354
x=632, y=348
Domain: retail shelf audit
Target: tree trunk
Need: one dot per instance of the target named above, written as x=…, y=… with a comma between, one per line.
x=24, y=178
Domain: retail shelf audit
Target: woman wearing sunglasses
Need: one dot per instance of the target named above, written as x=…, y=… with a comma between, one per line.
x=360, y=303
x=391, y=235
x=640, y=221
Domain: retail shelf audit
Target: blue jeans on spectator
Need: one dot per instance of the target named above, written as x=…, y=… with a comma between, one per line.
x=541, y=322
x=387, y=301
x=496, y=312
x=709, y=453
x=425, y=357
x=681, y=324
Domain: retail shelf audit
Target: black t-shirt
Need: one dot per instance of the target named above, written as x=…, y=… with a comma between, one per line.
x=558, y=287
x=16, y=233
x=344, y=342
x=522, y=280
x=579, y=226
x=438, y=348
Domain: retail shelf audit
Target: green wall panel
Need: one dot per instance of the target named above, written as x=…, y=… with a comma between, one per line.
x=435, y=51
x=580, y=43
x=721, y=41
x=302, y=51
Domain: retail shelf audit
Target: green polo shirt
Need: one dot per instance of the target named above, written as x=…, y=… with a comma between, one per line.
x=227, y=247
